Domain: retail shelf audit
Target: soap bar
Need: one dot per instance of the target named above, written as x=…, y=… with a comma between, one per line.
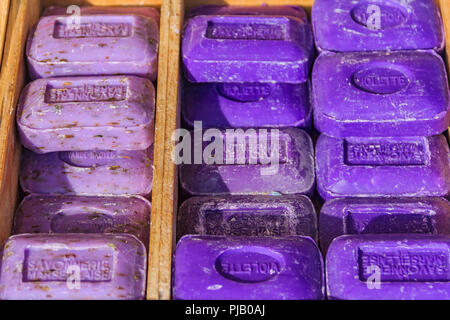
x=88, y=172
x=389, y=266
x=247, y=48
x=87, y=113
x=380, y=94
x=73, y=267
x=247, y=268
x=102, y=44
x=248, y=216
x=382, y=167
x=246, y=105
x=82, y=214
x=252, y=162
x=381, y=25
x=398, y=215
x=263, y=10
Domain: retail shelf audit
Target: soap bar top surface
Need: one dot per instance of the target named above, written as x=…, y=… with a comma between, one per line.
x=389, y=266
x=103, y=44
x=397, y=215
x=263, y=10
x=377, y=25
x=380, y=94
x=247, y=268
x=82, y=214
x=247, y=48
x=73, y=267
x=87, y=113
x=383, y=167
x=248, y=216
x=88, y=172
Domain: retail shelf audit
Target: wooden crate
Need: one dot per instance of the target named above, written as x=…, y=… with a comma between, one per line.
x=4, y=10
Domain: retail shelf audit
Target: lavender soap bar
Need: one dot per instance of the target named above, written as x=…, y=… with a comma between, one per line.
x=380, y=25
x=73, y=267
x=248, y=216
x=380, y=94
x=247, y=268
x=389, y=266
x=87, y=113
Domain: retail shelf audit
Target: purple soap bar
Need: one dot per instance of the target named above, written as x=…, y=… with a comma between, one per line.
x=389, y=266
x=380, y=94
x=348, y=25
x=73, y=267
x=248, y=216
x=88, y=172
x=81, y=214
x=278, y=162
x=263, y=10
x=382, y=167
x=247, y=48
x=247, y=268
x=245, y=105
x=87, y=113
x=105, y=43
x=398, y=215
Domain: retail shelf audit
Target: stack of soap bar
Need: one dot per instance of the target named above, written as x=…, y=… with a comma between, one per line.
x=247, y=268
x=73, y=267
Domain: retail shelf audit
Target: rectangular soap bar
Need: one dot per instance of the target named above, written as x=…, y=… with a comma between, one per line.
x=88, y=172
x=382, y=167
x=380, y=94
x=382, y=25
x=39, y=213
x=389, y=266
x=246, y=105
x=252, y=162
x=87, y=113
x=247, y=268
x=248, y=216
x=398, y=215
x=108, y=42
x=73, y=267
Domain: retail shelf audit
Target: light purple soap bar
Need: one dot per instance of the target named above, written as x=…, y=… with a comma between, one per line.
x=245, y=105
x=248, y=216
x=107, y=42
x=247, y=268
x=87, y=113
x=88, y=172
x=73, y=267
x=380, y=25
x=278, y=162
x=380, y=94
x=81, y=214
x=383, y=167
x=389, y=267
x=398, y=215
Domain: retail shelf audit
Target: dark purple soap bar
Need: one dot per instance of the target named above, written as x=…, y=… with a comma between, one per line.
x=383, y=167
x=247, y=268
x=377, y=25
x=398, y=215
x=389, y=266
x=380, y=94
x=248, y=216
x=245, y=105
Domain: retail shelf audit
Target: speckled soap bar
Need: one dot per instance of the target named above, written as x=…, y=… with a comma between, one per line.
x=383, y=167
x=389, y=266
x=248, y=216
x=398, y=215
x=247, y=268
x=88, y=172
x=73, y=267
x=380, y=94
x=82, y=214
x=106, y=42
x=377, y=25
x=87, y=113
